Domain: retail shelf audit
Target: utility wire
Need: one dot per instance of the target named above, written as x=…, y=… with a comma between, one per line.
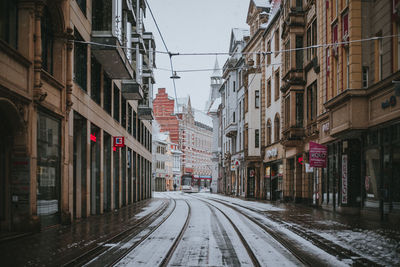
x=169, y=53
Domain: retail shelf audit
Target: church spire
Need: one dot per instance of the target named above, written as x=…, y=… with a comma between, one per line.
x=217, y=71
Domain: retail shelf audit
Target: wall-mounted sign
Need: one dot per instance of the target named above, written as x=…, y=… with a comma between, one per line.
x=325, y=127
x=272, y=153
x=318, y=155
x=391, y=102
x=119, y=141
x=344, y=179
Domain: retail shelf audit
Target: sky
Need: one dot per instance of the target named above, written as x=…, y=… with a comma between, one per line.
x=193, y=26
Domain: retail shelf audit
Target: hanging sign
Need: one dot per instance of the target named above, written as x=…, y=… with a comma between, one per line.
x=119, y=141
x=344, y=179
x=318, y=155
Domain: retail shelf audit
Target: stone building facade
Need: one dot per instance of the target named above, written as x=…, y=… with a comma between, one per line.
x=62, y=101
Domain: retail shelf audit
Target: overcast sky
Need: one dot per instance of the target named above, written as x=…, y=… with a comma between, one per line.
x=193, y=26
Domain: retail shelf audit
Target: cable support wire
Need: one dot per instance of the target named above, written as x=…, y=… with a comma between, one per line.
x=248, y=53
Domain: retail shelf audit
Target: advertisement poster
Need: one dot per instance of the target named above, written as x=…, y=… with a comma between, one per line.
x=318, y=155
x=344, y=179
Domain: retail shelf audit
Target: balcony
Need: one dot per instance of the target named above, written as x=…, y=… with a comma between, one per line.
x=293, y=77
x=131, y=90
x=231, y=130
x=293, y=136
x=145, y=112
x=137, y=38
x=108, y=27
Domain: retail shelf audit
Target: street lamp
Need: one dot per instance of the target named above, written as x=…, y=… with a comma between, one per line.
x=175, y=76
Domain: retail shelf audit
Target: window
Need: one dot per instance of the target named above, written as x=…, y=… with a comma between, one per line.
x=312, y=40
x=95, y=81
x=269, y=93
x=269, y=52
x=243, y=108
x=107, y=94
x=365, y=76
x=257, y=99
x=116, y=103
x=277, y=127
x=380, y=47
x=312, y=102
x=347, y=51
x=82, y=5
x=233, y=117
x=102, y=15
x=277, y=87
x=269, y=132
x=398, y=45
x=287, y=111
x=257, y=138
x=9, y=22
x=299, y=5
x=80, y=62
x=47, y=41
x=299, y=110
x=130, y=119
x=287, y=56
x=240, y=111
x=276, y=42
x=299, y=52
x=234, y=86
x=123, y=112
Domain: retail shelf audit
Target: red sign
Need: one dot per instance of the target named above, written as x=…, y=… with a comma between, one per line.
x=119, y=141
x=93, y=138
x=318, y=155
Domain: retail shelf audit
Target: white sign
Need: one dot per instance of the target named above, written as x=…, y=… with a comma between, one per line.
x=233, y=167
x=309, y=169
x=272, y=153
x=344, y=179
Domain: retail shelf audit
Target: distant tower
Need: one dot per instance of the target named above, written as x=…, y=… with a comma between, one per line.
x=216, y=81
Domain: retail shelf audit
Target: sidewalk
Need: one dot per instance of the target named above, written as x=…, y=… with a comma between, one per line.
x=56, y=245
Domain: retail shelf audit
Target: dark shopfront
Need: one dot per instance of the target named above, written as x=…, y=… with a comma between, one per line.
x=273, y=180
x=381, y=173
x=341, y=183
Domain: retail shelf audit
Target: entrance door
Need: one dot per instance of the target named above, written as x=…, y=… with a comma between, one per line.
x=250, y=182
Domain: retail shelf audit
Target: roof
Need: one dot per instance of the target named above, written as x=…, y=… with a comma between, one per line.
x=215, y=105
x=239, y=34
x=203, y=118
x=261, y=3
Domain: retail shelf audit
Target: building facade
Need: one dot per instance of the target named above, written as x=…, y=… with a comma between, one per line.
x=63, y=102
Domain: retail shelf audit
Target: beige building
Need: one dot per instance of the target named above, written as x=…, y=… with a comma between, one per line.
x=63, y=98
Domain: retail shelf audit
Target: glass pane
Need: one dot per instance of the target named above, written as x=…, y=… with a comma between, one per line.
x=372, y=179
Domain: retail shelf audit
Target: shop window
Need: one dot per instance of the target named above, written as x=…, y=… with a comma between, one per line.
x=116, y=179
x=95, y=141
x=95, y=80
x=123, y=175
x=107, y=172
x=80, y=62
x=80, y=163
x=372, y=178
x=48, y=169
x=9, y=22
x=47, y=41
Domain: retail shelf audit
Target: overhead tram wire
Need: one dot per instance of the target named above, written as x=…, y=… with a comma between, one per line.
x=169, y=53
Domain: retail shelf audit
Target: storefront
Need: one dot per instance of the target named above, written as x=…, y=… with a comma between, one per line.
x=273, y=180
x=48, y=169
x=381, y=183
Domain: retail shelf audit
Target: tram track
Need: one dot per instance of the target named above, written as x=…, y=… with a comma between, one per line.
x=87, y=256
x=307, y=259
x=241, y=237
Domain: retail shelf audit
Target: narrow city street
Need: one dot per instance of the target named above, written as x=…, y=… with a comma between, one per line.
x=204, y=229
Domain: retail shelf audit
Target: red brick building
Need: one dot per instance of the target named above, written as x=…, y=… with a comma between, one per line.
x=163, y=107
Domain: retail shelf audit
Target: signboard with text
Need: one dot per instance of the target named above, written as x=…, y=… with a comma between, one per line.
x=119, y=141
x=318, y=155
x=344, y=179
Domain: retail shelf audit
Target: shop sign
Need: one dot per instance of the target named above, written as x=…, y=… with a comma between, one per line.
x=233, y=167
x=344, y=180
x=389, y=102
x=272, y=153
x=318, y=155
x=119, y=141
x=309, y=169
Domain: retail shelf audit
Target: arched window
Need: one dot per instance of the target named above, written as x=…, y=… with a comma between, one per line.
x=9, y=22
x=269, y=132
x=47, y=41
x=277, y=125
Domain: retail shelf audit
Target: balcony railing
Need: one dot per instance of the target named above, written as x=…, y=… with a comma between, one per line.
x=131, y=90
